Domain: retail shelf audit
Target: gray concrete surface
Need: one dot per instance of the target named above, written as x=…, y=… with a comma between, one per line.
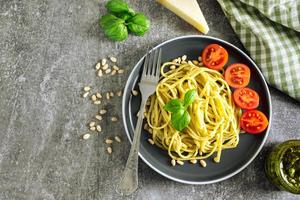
x=48, y=49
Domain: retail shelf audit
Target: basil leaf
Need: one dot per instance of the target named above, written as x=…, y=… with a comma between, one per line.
x=117, y=6
x=173, y=106
x=180, y=119
x=189, y=97
x=139, y=24
x=124, y=15
x=114, y=27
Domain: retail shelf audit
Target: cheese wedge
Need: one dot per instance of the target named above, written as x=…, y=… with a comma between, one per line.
x=188, y=10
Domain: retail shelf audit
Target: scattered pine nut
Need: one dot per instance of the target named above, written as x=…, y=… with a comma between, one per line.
x=173, y=162
x=114, y=119
x=111, y=94
x=120, y=71
x=103, y=61
x=190, y=62
x=193, y=161
x=146, y=126
x=98, y=65
x=183, y=62
x=151, y=141
x=100, y=73
x=201, y=63
x=107, y=95
x=98, y=128
x=119, y=93
x=115, y=67
x=135, y=92
x=183, y=58
x=174, y=60
x=109, y=150
x=103, y=111
x=107, y=71
x=195, y=62
x=105, y=67
x=94, y=98
x=109, y=141
x=99, y=117
x=85, y=95
x=97, y=102
x=113, y=59
x=93, y=128
x=118, y=139
x=199, y=58
x=172, y=67
x=180, y=162
x=202, y=163
x=98, y=95
x=91, y=124
x=150, y=130
x=113, y=72
x=179, y=60
x=86, y=136
x=87, y=88
x=216, y=159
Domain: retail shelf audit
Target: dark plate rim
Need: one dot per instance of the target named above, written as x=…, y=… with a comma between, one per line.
x=126, y=90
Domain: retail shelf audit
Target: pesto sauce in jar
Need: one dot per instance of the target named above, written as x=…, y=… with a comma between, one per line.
x=291, y=166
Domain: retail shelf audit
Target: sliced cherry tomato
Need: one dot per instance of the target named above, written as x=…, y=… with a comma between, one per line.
x=237, y=75
x=214, y=56
x=246, y=98
x=253, y=121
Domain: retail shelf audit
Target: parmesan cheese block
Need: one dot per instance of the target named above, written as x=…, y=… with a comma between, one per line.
x=188, y=10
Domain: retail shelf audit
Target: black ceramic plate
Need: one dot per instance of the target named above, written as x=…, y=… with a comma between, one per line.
x=232, y=160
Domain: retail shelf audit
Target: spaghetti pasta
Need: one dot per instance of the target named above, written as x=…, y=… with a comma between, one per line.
x=214, y=124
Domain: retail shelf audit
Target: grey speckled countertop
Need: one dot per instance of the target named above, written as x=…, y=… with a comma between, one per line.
x=47, y=52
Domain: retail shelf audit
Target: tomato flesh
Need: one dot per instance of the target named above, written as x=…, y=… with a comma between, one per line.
x=246, y=98
x=253, y=121
x=237, y=75
x=214, y=56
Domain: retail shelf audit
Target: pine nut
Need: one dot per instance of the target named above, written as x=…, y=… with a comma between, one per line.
x=111, y=94
x=115, y=67
x=200, y=58
x=146, y=126
x=216, y=159
x=109, y=141
x=179, y=60
x=100, y=73
x=114, y=119
x=183, y=62
x=172, y=67
x=203, y=163
x=113, y=72
x=109, y=150
x=193, y=161
x=195, y=62
x=190, y=63
x=113, y=59
x=98, y=65
x=105, y=67
x=174, y=60
x=97, y=102
x=201, y=63
x=86, y=136
x=118, y=139
x=183, y=58
x=94, y=98
x=87, y=88
x=120, y=71
x=99, y=117
x=98, y=95
x=107, y=71
x=103, y=111
x=85, y=95
x=103, y=61
x=135, y=93
x=98, y=128
x=173, y=162
x=107, y=95
x=119, y=93
x=150, y=130
x=91, y=124
x=92, y=128
x=180, y=162
x=151, y=141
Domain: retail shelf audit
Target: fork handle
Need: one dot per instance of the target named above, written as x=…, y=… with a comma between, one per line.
x=129, y=181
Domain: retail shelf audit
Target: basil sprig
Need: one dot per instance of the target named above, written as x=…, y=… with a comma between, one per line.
x=180, y=117
x=122, y=18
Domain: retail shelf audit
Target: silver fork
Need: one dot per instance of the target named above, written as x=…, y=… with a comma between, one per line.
x=147, y=85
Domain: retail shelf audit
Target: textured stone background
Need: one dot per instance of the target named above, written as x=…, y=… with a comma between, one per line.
x=48, y=49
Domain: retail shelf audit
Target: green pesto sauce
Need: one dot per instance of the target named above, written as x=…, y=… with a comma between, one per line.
x=291, y=166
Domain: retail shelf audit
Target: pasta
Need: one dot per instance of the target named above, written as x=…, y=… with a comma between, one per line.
x=214, y=124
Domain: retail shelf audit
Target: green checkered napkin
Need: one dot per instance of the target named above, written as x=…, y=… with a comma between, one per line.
x=270, y=31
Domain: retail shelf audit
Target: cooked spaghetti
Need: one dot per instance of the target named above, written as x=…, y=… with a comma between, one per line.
x=214, y=123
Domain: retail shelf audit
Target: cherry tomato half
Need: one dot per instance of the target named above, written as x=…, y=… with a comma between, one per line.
x=253, y=121
x=246, y=98
x=214, y=56
x=237, y=75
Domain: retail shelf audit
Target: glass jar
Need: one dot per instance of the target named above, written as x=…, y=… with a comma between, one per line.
x=282, y=166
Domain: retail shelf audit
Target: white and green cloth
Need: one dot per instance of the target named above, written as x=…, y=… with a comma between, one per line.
x=270, y=31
